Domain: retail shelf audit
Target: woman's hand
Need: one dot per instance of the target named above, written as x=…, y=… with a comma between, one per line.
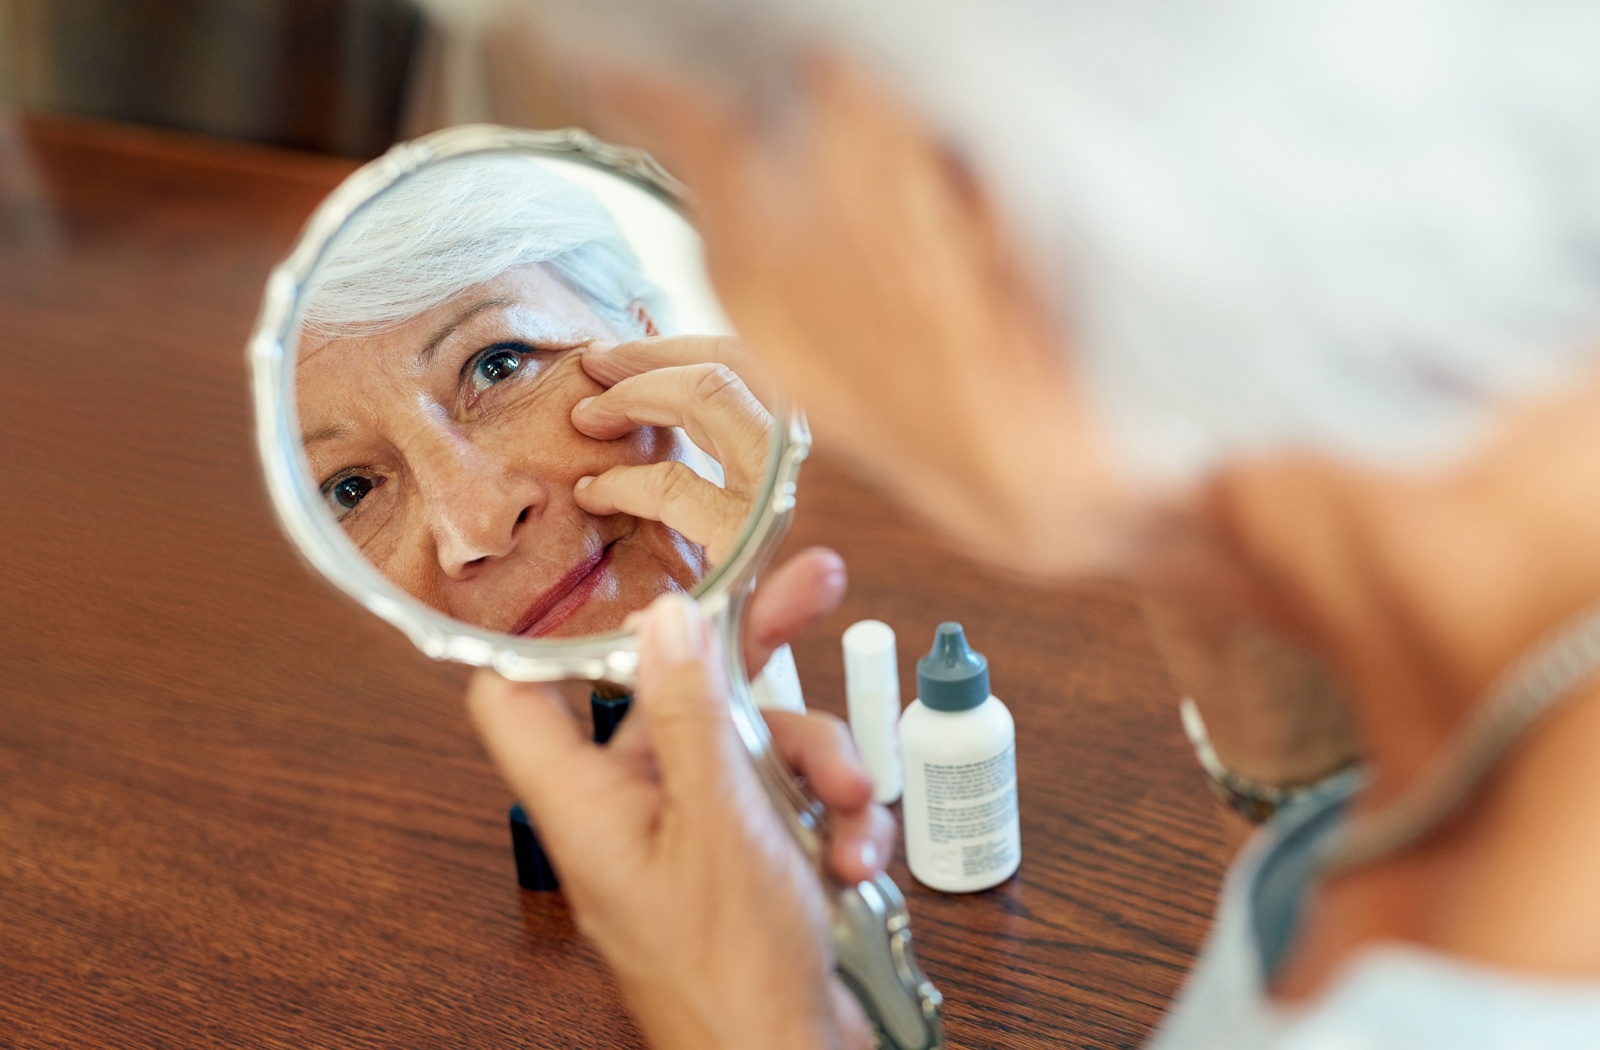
x=670, y=854
x=696, y=383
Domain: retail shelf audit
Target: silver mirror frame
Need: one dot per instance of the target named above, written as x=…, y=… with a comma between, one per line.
x=273, y=344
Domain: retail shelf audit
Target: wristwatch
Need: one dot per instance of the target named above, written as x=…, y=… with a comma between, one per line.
x=1251, y=799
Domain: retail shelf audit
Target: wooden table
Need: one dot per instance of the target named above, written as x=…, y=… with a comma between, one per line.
x=235, y=811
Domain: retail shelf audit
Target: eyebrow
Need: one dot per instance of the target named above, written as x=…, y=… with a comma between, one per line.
x=321, y=434
x=425, y=355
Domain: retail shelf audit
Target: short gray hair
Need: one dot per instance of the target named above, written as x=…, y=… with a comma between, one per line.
x=457, y=224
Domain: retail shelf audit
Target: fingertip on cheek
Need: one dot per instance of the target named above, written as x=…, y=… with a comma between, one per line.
x=584, y=482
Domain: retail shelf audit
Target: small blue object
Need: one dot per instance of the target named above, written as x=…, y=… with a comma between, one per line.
x=608, y=713
x=952, y=677
x=533, y=867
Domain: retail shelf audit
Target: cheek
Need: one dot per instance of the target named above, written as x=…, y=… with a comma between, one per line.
x=403, y=553
x=645, y=445
x=660, y=560
x=535, y=436
x=650, y=445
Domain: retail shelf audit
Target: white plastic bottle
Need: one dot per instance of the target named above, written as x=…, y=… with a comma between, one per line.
x=959, y=746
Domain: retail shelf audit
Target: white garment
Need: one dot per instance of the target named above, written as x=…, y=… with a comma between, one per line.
x=1392, y=997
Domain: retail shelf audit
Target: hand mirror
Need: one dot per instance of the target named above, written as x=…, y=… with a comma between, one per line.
x=462, y=430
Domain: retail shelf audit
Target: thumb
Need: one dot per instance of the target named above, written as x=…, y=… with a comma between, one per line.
x=683, y=695
x=545, y=757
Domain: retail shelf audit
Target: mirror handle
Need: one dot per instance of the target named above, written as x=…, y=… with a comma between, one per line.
x=868, y=922
x=870, y=927
x=872, y=951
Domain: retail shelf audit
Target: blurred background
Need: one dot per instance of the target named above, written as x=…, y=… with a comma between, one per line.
x=345, y=77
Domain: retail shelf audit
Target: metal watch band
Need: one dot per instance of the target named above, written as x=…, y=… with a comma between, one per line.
x=1251, y=799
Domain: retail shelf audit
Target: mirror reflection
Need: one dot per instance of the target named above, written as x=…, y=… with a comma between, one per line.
x=510, y=398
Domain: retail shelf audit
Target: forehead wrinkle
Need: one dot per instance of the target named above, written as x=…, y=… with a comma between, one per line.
x=425, y=355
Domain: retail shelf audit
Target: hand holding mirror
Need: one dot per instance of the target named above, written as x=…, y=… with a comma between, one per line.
x=495, y=406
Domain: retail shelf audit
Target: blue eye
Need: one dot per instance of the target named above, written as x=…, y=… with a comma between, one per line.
x=344, y=493
x=496, y=366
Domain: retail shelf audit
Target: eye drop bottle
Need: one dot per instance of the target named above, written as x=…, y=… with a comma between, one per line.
x=958, y=743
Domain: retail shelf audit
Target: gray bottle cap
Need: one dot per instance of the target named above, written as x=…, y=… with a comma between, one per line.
x=952, y=677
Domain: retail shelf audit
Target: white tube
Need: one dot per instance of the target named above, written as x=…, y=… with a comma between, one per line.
x=872, y=689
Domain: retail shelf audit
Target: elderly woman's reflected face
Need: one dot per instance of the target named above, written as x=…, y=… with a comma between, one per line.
x=446, y=450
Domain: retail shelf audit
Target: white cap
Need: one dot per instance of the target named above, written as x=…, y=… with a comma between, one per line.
x=872, y=688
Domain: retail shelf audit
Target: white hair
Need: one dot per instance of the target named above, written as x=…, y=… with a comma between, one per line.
x=457, y=224
x=1345, y=226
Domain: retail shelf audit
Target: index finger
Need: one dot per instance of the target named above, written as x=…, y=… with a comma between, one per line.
x=611, y=365
x=710, y=402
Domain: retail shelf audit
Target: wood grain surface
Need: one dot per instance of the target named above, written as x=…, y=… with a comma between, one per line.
x=235, y=811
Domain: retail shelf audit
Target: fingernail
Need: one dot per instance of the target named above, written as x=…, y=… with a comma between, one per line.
x=584, y=482
x=676, y=620
x=581, y=405
x=869, y=855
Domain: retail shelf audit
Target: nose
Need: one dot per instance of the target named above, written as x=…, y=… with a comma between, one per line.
x=477, y=508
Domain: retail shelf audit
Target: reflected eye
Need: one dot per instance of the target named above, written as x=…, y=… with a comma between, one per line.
x=496, y=365
x=345, y=492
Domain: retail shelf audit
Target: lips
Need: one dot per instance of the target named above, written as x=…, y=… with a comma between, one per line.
x=569, y=594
